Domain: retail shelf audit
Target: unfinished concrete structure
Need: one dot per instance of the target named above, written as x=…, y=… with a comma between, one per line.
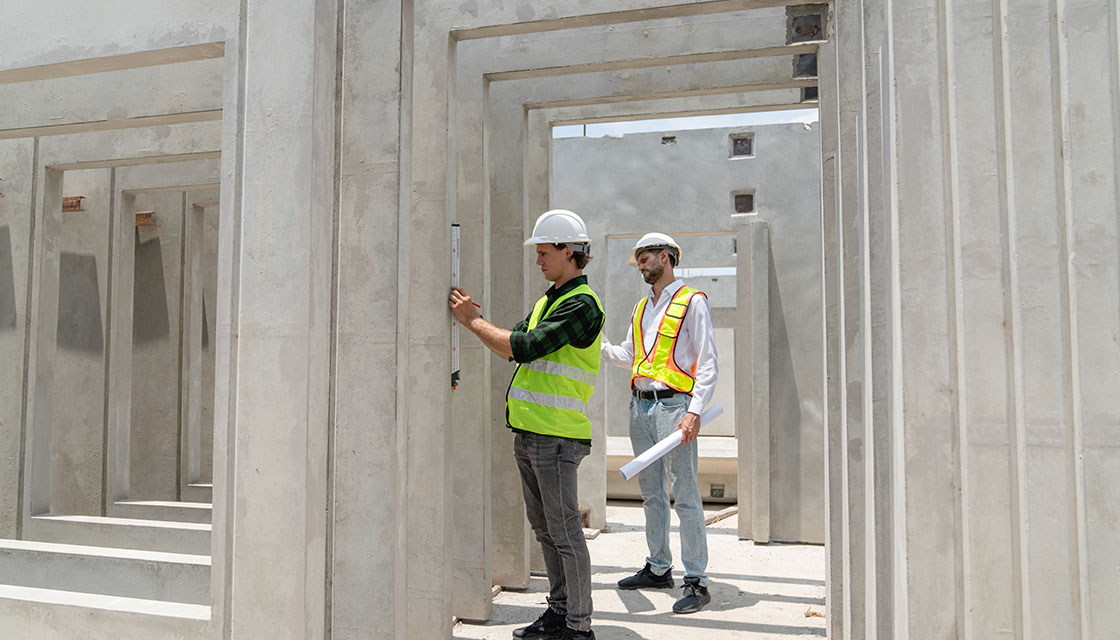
x=690, y=184
x=970, y=261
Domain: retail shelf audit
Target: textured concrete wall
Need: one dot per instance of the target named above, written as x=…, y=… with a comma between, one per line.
x=638, y=183
x=78, y=423
x=17, y=166
x=978, y=207
x=156, y=376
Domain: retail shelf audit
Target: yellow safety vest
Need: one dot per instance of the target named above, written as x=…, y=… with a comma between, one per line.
x=549, y=395
x=659, y=364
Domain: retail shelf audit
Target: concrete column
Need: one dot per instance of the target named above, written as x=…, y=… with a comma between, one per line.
x=17, y=165
x=369, y=498
x=190, y=347
x=472, y=582
x=752, y=367
x=43, y=342
x=512, y=539
x=849, y=48
x=428, y=386
x=278, y=422
x=835, y=505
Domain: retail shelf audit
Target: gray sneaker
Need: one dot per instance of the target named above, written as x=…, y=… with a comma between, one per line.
x=694, y=599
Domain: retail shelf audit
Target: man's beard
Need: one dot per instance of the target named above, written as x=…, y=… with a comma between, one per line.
x=654, y=274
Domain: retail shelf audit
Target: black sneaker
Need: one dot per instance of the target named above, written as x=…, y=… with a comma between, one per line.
x=694, y=599
x=572, y=634
x=549, y=625
x=647, y=579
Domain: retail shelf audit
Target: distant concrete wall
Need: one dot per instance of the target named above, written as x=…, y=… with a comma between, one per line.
x=156, y=297
x=77, y=436
x=634, y=184
x=682, y=182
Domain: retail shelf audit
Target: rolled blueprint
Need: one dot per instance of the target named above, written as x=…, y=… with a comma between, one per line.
x=667, y=444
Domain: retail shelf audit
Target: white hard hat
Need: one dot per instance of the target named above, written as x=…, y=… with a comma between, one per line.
x=654, y=241
x=560, y=226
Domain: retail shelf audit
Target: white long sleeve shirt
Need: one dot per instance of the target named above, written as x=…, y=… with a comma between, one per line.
x=695, y=344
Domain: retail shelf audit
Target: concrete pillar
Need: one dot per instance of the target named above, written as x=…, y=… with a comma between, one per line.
x=752, y=367
x=473, y=431
x=17, y=165
x=512, y=539
x=428, y=268
x=190, y=346
x=369, y=499
x=835, y=505
x=276, y=536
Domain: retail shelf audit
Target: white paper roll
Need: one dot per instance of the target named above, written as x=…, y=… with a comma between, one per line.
x=667, y=444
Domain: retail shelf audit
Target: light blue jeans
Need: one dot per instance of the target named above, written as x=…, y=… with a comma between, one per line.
x=650, y=421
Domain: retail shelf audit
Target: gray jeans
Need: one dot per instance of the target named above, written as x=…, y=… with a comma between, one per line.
x=548, y=468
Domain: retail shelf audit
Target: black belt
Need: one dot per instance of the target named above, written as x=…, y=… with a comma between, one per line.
x=655, y=395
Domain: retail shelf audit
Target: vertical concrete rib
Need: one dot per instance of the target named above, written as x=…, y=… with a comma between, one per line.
x=957, y=350
x=830, y=265
x=899, y=588
x=28, y=344
x=1059, y=53
x=1013, y=332
x=404, y=293
x=111, y=259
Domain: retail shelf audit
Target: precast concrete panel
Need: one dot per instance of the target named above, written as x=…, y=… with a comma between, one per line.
x=78, y=424
x=156, y=296
x=17, y=171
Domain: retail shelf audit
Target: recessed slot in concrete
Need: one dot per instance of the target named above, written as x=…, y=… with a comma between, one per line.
x=669, y=140
x=805, y=66
x=742, y=145
x=743, y=201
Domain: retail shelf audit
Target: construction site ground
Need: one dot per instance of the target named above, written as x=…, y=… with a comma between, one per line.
x=758, y=591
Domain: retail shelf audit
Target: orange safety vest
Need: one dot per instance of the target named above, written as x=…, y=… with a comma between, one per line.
x=658, y=363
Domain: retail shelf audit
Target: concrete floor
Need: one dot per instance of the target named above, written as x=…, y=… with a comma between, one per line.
x=757, y=591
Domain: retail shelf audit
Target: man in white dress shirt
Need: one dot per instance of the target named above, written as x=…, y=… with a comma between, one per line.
x=671, y=353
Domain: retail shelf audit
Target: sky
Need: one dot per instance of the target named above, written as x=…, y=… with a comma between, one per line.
x=600, y=129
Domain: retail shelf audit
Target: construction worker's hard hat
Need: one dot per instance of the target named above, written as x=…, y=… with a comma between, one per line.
x=560, y=226
x=652, y=241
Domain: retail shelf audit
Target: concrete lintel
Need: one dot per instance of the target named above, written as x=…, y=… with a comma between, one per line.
x=208, y=115
x=162, y=177
x=170, y=143
x=752, y=102
x=114, y=63
x=140, y=161
x=647, y=62
x=618, y=17
x=714, y=91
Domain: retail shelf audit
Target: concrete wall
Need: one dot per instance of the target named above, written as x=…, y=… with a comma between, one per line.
x=634, y=184
x=156, y=298
x=637, y=183
x=951, y=394
x=977, y=148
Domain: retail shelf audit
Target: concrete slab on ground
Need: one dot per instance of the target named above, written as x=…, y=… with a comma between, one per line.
x=758, y=591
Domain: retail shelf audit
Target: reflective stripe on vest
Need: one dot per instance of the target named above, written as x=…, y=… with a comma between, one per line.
x=550, y=395
x=659, y=362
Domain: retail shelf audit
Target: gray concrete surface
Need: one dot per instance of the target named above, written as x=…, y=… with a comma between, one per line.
x=971, y=267
x=758, y=591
